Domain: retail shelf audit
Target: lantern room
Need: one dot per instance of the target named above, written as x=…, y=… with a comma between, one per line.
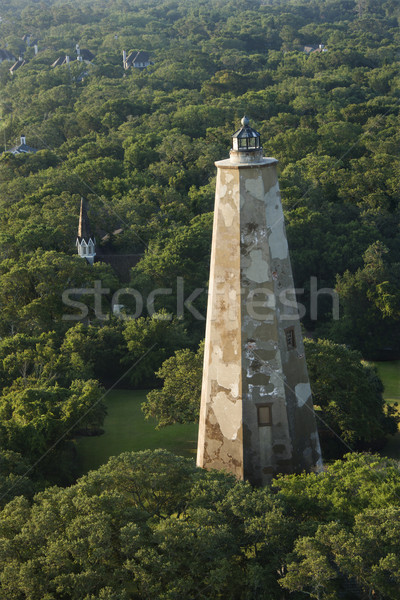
x=246, y=139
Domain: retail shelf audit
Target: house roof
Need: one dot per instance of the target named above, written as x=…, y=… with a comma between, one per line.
x=17, y=65
x=107, y=236
x=137, y=57
x=62, y=60
x=141, y=57
x=86, y=54
x=314, y=48
x=23, y=149
x=130, y=57
x=246, y=131
x=84, y=229
x=120, y=263
x=29, y=40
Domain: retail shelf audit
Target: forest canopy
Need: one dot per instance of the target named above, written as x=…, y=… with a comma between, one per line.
x=320, y=81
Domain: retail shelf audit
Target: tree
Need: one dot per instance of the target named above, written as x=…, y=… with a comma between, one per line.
x=151, y=525
x=32, y=290
x=178, y=262
x=348, y=392
x=178, y=400
x=324, y=565
x=146, y=142
x=37, y=421
x=149, y=341
x=14, y=477
x=28, y=358
x=370, y=305
x=92, y=351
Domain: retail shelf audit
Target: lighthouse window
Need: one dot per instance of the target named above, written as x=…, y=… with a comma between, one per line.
x=264, y=415
x=290, y=339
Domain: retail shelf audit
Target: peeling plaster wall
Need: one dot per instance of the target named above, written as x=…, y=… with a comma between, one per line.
x=220, y=444
x=247, y=362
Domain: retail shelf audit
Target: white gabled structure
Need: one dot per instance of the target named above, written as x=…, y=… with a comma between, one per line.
x=23, y=148
x=138, y=60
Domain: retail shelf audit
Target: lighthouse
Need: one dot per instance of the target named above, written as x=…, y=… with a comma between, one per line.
x=256, y=417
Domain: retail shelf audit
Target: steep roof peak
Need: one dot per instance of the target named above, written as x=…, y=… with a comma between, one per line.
x=84, y=229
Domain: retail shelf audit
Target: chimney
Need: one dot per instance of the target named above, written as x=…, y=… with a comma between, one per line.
x=23, y=140
x=78, y=50
x=124, y=58
x=67, y=59
x=35, y=47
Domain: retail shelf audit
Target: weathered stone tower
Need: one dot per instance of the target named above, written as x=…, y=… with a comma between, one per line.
x=256, y=416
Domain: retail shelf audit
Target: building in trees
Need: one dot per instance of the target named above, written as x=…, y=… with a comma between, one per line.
x=84, y=55
x=19, y=63
x=85, y=242
x=23, y=147
x=138, y=60
x=256, y=416
x=313, y=48
x=29, y=40
x=61, y=60
x=87, y=248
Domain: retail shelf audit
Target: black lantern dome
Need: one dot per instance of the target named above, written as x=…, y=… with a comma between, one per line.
x=246, y=139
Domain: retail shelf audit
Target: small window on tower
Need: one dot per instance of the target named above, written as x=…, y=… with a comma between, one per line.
x=290, y=339
x=264, y=415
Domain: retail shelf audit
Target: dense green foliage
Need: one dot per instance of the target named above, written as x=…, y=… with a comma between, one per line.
x=150, y=525
x=348, y=396
x=141, y=146
x=178, y=400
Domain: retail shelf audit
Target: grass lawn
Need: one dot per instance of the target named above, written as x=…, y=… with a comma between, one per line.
x=126, y=429
x=389, y=372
